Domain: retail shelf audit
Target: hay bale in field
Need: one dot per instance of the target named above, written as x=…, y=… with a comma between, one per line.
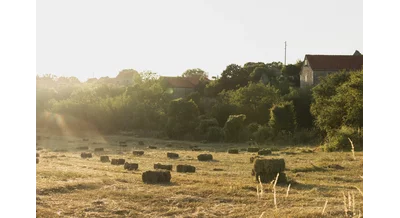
x=86, y=155
x=265, y=152
x=117, y=161
x=123, y=144
x=233, y=151
x=253, y=158
x=104, y=159
x=267, y=169
x=98, y=149
x=172, y=155
x=152, y=147
x=131, y=166
x=82, y=148
x=37, y=155
x=205, y=157
x=141, y=143
x=253, y=149
x=185, y=169
x=218, y=169
x=85, y=140
x=37, y=160
x=196, y=149
x=153, y=177
x=138, y=153
x=162, y=166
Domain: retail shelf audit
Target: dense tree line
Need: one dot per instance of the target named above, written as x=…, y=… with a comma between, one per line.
x=257, y=101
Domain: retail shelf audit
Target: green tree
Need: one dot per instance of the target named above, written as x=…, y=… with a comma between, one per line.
x=195, y=72
x=283, y=117
x=182, y=118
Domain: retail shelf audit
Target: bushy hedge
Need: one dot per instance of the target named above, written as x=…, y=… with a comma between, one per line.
x=283, y=117
x=233, y=127
x=338, y=140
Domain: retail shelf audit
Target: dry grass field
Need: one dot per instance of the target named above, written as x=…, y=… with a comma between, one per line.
x=70, y=186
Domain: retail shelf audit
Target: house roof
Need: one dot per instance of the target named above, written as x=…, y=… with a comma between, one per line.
x=335, y=62
x=179, y=82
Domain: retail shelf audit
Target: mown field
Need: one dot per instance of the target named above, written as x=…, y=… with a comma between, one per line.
x=69, y=186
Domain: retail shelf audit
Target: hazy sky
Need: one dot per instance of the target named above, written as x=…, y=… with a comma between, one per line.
x=82, y=38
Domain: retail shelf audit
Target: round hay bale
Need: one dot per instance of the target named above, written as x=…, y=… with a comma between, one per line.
x=37, y=155
x=131, y=166
x=205, y=157
x=37, y=160
x=233, y=151
x=138, y=153
x=265, y=152
x=172, y=155
x=253, y=149
x=152, y=147
x=98, y=149
x=118, y=161
x=141, y=143
x=104, y=159
x=162, y=167
x=82, y=148
x=267, y=178
x=86, y=155
x=268, y=168
x=185, y=169
x=153, y=177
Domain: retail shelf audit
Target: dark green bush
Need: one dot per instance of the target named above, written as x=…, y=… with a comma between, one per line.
x=338, y=140
x=215, y=134
x=283, y=117
x=263, y=133
x=233, y=127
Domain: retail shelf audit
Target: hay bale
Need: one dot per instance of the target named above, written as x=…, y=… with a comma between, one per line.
x=205, y=157
x=153, y=177
x=267, y=178
x=185, y=169
x=168, y=145
x=37, y=155
x=138, y=153
x=98, y=149
x=104, y=159
x=162, y=167
x=141, y=143
x=265, y=152
x=86, y=155
x=267, y=169
x=123, y=144
x=218, y=169
x=85, y=140
x=131, y=166
x=253, y=149
x=233, y=151
x=172, y=155
x=152, y=147
x=37, y=160
x=82, y=148
x=117, y=161
x=196, y=149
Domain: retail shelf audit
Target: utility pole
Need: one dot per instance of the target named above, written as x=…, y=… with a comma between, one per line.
x=285, y=53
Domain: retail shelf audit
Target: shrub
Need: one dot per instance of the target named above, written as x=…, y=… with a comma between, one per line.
x=283, y=117
x=215, y=134
x=233, y=127
x=337, y=140
x=253, y=127
x=182, y=118
x=262, y=134
x=306, y=136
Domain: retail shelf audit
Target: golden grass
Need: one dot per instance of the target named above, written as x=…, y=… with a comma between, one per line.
x=69, y=186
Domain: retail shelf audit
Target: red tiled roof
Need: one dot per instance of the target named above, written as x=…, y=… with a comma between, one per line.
x=335, y=62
